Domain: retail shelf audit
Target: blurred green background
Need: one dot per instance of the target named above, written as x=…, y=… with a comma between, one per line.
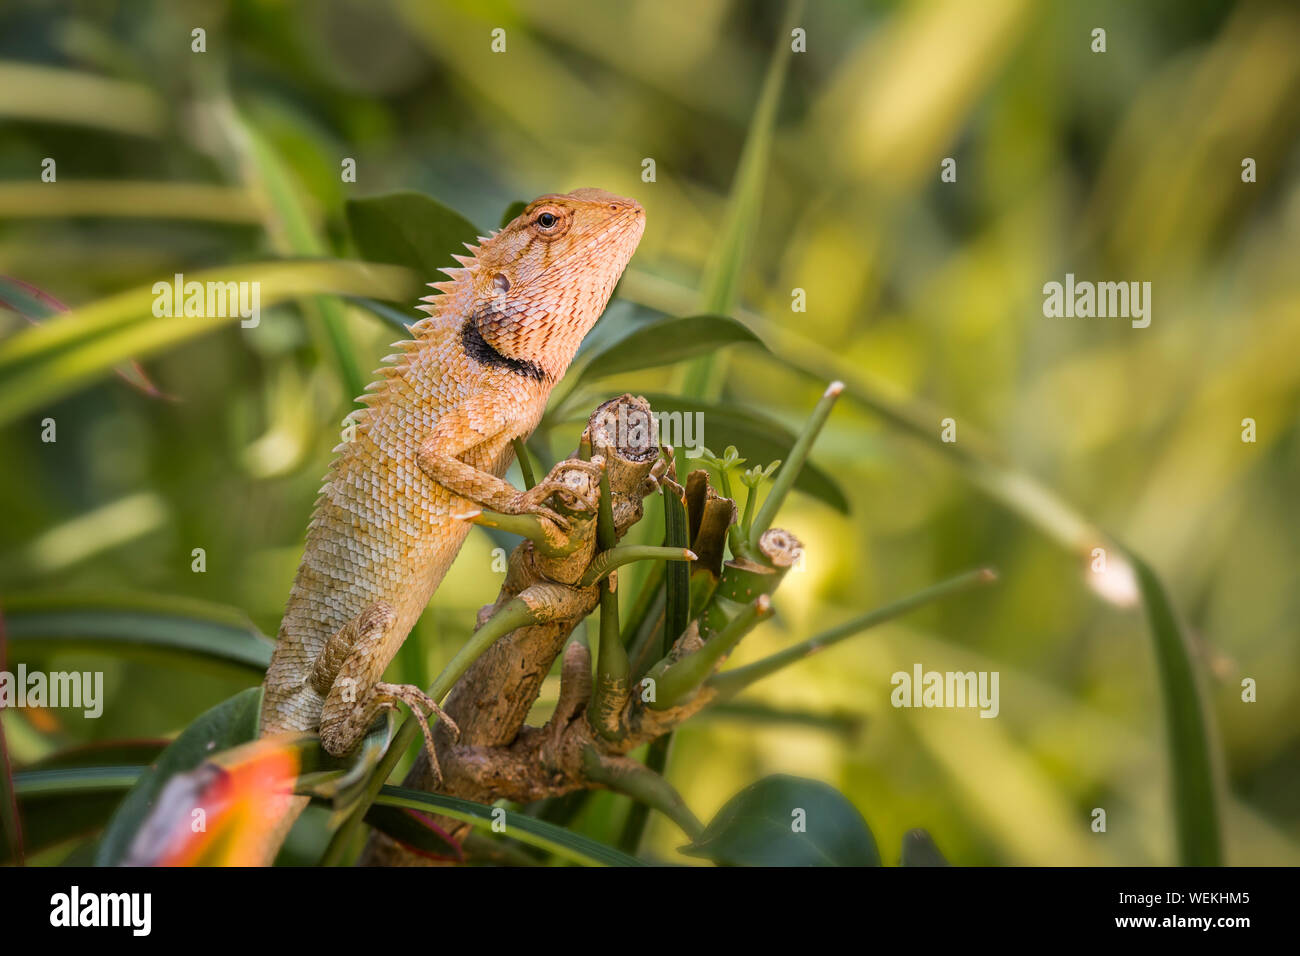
x=926, y=295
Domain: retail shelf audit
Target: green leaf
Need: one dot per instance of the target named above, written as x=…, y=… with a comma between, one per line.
x=664, y=342
x=1193, y=766
x=740, y=220
x=919, y=850
x=116, y=623
x=36, y=305
x=758, y=437
x=291, y=230
x=49, y=361
x=409, y=229
x=59, y=803
x=525, y=829
x=677, y=576
x=27, y=300
x=757, y=827
x=230, y=723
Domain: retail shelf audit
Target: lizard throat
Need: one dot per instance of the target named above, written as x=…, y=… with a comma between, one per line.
x=478, y=349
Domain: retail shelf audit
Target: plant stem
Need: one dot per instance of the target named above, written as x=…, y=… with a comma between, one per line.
x=729, y=683
x=525, y=462
x=608, y=561
x=789, y=470
x=645, y=786
x=683, y=677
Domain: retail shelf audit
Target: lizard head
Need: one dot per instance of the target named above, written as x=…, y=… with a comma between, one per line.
x=537, y=286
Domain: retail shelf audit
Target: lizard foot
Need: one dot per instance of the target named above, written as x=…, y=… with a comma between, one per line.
x=574, y=484
x=419, y=702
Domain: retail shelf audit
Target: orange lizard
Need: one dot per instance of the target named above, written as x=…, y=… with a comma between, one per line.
x=432, y=443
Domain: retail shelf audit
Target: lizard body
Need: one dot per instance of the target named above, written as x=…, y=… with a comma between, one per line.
x=433, y=442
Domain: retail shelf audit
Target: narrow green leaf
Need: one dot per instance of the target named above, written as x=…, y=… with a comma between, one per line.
x=113, y=623
x=56, y=95
x=1193, y=763
x=525, y=829
x=61, y=803
x=36, y=305
x=740, y=221
x=664, y=342
x=27, y=300
x=133, y=199
x=228, y=724
x=677, y=606
x=787, y=821
x=51, y=360
x=68, y=780
x=409, y=229
x=291, y=230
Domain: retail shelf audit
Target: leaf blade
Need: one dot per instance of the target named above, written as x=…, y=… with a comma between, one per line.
x=1193, y=766
x=665, y=342
x=97, y=622
x=409, y=229
x=572, y=846
x=758, y=827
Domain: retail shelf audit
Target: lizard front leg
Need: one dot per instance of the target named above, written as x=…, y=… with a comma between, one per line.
x=347, y=675
x=440, y=458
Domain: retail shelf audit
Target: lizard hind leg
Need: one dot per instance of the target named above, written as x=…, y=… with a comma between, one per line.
x=347, y=675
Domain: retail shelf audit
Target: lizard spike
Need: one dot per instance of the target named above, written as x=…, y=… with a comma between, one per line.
x=429, y=309
x=473, y=249
x=465, y=261
x=444, y=287
x=482, y=239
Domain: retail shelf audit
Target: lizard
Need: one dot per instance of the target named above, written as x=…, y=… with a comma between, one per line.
x=434, y=440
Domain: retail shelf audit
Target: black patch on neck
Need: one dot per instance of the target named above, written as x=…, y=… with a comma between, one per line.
x=477, y=348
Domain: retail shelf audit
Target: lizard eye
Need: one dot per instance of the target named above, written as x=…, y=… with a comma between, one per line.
x=547, y=220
